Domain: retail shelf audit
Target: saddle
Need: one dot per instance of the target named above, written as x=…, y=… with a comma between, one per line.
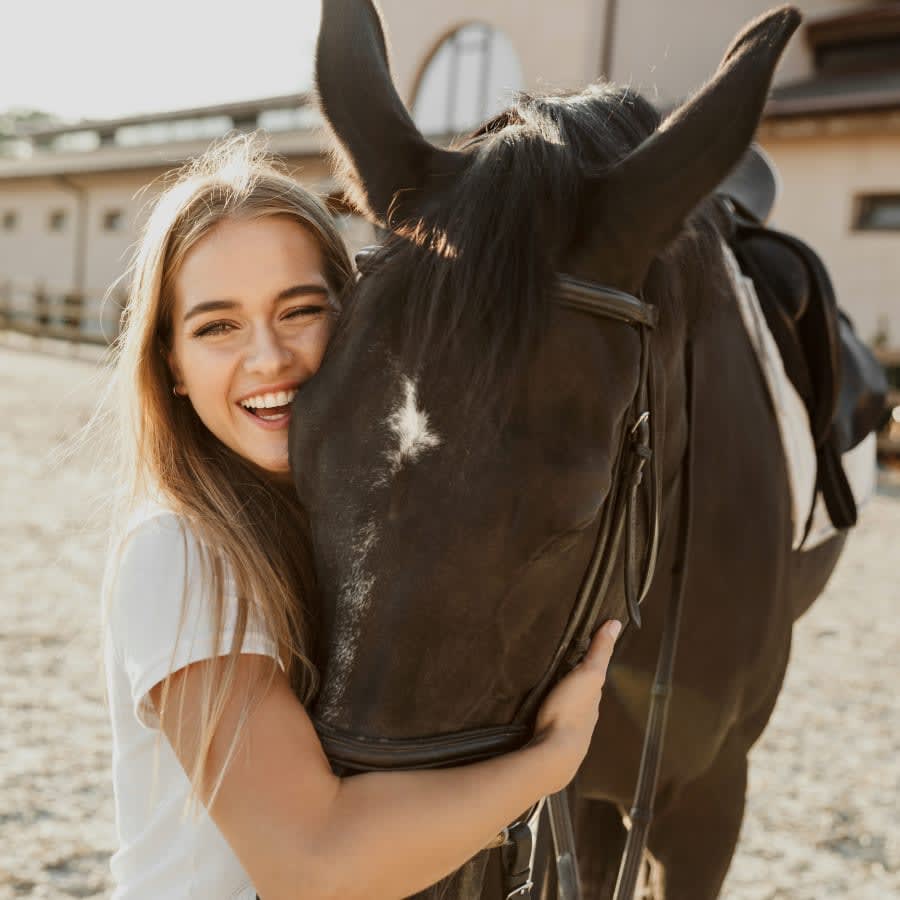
x=841, y=384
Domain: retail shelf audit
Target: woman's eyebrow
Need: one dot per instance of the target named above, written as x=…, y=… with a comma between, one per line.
x=208, y=306
x=298, y=290
x=301, y=290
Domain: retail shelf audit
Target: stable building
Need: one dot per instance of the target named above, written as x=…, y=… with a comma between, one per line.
x=71, y=206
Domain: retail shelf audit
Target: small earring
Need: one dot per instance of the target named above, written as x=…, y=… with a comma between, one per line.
x=175, y=391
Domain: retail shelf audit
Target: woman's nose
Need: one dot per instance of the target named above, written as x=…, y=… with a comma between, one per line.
x=268, y=353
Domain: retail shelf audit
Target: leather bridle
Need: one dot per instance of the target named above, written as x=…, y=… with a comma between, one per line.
x=620, y=521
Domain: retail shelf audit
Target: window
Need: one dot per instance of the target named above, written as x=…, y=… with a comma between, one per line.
x=469, y=78
x=78, y=141
x=298, y=119
x=57, y=219
x=164, y=132
x=878, y=212
x=113, y=220
x=10, y=220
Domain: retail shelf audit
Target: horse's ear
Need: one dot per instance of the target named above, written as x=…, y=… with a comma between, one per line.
x=392, y=168
x=635, y=209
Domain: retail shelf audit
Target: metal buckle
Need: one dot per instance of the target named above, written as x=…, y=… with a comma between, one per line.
x=501, y=838
x=643, y=419
x=530, y=822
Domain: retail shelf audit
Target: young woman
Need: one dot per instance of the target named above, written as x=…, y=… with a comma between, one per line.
x=236, y=286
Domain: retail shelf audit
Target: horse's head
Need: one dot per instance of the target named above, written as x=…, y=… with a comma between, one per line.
x=457, y=448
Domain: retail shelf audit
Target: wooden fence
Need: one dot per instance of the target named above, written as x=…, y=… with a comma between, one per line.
x=41, y=310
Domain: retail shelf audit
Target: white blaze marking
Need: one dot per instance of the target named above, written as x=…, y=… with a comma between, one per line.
x=409, y=425
x=411, y=436
x=353, y=600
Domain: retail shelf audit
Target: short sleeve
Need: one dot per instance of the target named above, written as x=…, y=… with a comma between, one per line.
x=160, y=617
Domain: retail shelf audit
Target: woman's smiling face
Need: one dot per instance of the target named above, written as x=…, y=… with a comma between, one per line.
x=251, y=321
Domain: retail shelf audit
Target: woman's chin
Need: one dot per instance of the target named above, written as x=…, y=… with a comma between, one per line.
x=272, y=461
x=276, y=467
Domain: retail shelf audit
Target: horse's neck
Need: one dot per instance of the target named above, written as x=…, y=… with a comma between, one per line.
x=726, y=378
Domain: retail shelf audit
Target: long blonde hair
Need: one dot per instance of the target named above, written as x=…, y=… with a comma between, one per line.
x=243, y=520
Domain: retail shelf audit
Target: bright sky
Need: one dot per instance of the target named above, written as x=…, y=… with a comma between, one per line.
x=110, y=58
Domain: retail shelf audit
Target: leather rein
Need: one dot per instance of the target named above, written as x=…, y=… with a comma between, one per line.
x=620, y=523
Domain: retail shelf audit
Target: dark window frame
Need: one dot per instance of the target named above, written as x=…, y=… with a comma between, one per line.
x=471, y=45
x=57, y=220
x=867, y=208
x=113, y=220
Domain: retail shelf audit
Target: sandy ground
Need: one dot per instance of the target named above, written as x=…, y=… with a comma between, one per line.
x=823, y=819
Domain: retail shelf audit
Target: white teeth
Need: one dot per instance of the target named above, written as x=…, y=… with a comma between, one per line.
x=267, y=401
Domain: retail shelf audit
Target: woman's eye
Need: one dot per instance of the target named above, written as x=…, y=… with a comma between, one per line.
x=300, y=311
x=213, y=328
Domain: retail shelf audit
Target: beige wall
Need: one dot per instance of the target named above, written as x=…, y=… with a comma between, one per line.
x=823, y=175
x=32, y=253
x=666, y=49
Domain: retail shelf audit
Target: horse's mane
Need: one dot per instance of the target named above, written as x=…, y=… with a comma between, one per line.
x=474, y=273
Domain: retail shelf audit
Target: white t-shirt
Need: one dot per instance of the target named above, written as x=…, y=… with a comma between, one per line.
x=162, y=853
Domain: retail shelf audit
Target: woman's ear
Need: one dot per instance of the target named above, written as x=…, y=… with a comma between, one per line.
x=175, y=371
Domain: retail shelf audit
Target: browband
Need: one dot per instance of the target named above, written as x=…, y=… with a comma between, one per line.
x=585, y=296
x=605, y=301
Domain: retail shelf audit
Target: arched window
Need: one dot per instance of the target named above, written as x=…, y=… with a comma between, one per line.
x=469, y=78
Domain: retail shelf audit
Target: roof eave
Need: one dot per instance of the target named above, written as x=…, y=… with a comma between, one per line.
x=860, y=104
x=307, y=144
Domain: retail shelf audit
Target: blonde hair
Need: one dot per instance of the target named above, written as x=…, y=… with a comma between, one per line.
x=244, y=521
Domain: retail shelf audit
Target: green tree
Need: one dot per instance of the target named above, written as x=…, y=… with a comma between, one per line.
x=16, y=121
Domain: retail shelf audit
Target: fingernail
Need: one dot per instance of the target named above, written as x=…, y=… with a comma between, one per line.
x=615, y=628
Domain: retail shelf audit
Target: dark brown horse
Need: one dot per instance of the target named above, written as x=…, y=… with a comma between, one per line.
x=457, y=449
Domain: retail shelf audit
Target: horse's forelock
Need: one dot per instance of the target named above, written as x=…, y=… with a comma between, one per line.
x=473, y=273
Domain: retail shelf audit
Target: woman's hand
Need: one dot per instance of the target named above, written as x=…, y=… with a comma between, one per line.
x=566, y=719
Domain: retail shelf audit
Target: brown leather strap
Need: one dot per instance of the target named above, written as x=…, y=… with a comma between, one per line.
x=605, y=301
x=641, y=813
x=568, y=887
x=363, y=754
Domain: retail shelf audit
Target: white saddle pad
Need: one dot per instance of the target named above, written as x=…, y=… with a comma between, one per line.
x=793, y=424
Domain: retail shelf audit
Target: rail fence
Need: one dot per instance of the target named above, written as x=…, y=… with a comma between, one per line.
x=41, y=310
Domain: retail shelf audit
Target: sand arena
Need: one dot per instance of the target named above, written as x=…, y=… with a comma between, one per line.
x=823, y=820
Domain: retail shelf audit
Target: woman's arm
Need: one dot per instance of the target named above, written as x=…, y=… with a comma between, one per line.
x=301, y=832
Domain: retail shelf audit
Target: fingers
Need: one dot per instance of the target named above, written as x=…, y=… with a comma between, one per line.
x=602, y=645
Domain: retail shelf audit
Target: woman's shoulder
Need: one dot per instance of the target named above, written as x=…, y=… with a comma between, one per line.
x=165, y=609
x=152, y=530
x=154, y=557
x=148, y=515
